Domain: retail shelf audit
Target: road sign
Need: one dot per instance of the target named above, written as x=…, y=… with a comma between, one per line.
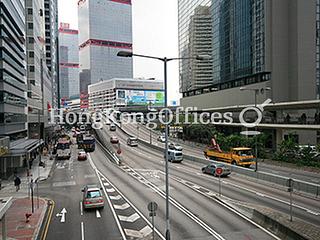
x=219, y=171
x=152, y=206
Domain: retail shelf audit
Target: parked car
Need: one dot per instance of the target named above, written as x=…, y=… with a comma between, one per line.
x=132, y=141
x=211, y=169
x=92, y=197
x=161, y=139
x=114, y=139
x=82, y=155
x=112, y=127
x=175, y=146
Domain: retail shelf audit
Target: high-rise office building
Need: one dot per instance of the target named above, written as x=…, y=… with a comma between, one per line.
x=51, y=46
x=35, y=56
x=261, y=43
x=195, y=25
x=200, y=44
x=69, y=62
x=13, y=85
x=105, y=27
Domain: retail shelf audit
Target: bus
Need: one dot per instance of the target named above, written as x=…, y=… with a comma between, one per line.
x=63, y=149
x=86, y=142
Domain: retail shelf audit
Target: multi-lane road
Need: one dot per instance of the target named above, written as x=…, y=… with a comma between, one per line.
x=143, y=133
x=195, y=212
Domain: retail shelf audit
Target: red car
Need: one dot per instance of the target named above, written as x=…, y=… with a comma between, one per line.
x=114, y=139
x=82, y=155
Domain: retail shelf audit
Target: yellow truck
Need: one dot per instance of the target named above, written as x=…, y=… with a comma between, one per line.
x=240, y=156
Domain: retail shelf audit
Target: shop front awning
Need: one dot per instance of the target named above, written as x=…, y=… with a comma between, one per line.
x=23, y=146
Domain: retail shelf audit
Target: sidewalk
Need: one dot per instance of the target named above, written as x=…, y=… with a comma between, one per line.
x=8, y=189
x=17, y=227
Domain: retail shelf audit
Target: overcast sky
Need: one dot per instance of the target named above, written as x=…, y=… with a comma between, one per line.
x=155, y=32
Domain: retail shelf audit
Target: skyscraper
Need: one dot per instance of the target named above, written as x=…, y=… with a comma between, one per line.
x=262, y=43
x=13, y=85
x=192, y=20
x=35, y=55
x=51, y=45
x=105, y=27
x=69, y=62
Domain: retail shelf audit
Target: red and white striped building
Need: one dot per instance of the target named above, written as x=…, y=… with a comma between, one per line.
x=69, y=62
x=105, y=28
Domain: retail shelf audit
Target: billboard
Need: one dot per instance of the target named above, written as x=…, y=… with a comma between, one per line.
x=140, y=97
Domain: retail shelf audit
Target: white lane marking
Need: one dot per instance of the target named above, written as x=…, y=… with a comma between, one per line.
x=63, y=184
x=131, y=218
x=257, y=193
x=122, y=207
x=139, y=234
x=231, y=209
x=62, y=214
x=312, y=212
x=106, y=184
x=98, y=213
x=136, y=209
x=108, y=200
x=82, y=231
x=118, y=197
x=183, y=209
x=81, y=208
x=110, y=190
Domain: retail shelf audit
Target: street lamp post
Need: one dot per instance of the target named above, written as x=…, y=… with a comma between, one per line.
x=256, y=92
x=165, y=61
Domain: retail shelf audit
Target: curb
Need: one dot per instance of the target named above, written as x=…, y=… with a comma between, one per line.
x=36, y=234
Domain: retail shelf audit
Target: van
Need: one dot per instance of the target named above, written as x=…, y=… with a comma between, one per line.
x=132, y=141
x=174, y=156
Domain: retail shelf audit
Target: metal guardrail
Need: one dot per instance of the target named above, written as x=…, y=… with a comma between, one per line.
x=298, y=185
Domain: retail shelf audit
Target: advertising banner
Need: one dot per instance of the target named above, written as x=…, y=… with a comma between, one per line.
x=141, y=97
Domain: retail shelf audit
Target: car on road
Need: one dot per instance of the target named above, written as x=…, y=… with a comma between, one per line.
x=92, y=197
x=161, y=139
x=112, y=127
x=175, y=146
x=132, y=141
x=114, y=139
x=82, y=155
x=174, y=156
x=211, y=169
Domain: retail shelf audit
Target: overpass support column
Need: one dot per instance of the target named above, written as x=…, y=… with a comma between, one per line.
x=279, y=137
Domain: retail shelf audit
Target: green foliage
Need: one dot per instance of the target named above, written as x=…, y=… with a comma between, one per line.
x=289, y=151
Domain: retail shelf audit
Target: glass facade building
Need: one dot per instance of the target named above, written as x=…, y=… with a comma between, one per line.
x=13, y=85
x=68, y=62
x=105, y=28
x=237, y=45
x=188, y=40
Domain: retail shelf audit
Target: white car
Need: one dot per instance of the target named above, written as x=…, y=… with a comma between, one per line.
x=161, y=139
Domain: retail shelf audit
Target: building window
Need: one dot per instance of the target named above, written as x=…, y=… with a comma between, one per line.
x=31, y=40
x=30, y=25
x=29, y=11
x=31, y=68
x=31, y=54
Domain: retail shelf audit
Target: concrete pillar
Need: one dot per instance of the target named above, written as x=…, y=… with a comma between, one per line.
x=279, y=137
